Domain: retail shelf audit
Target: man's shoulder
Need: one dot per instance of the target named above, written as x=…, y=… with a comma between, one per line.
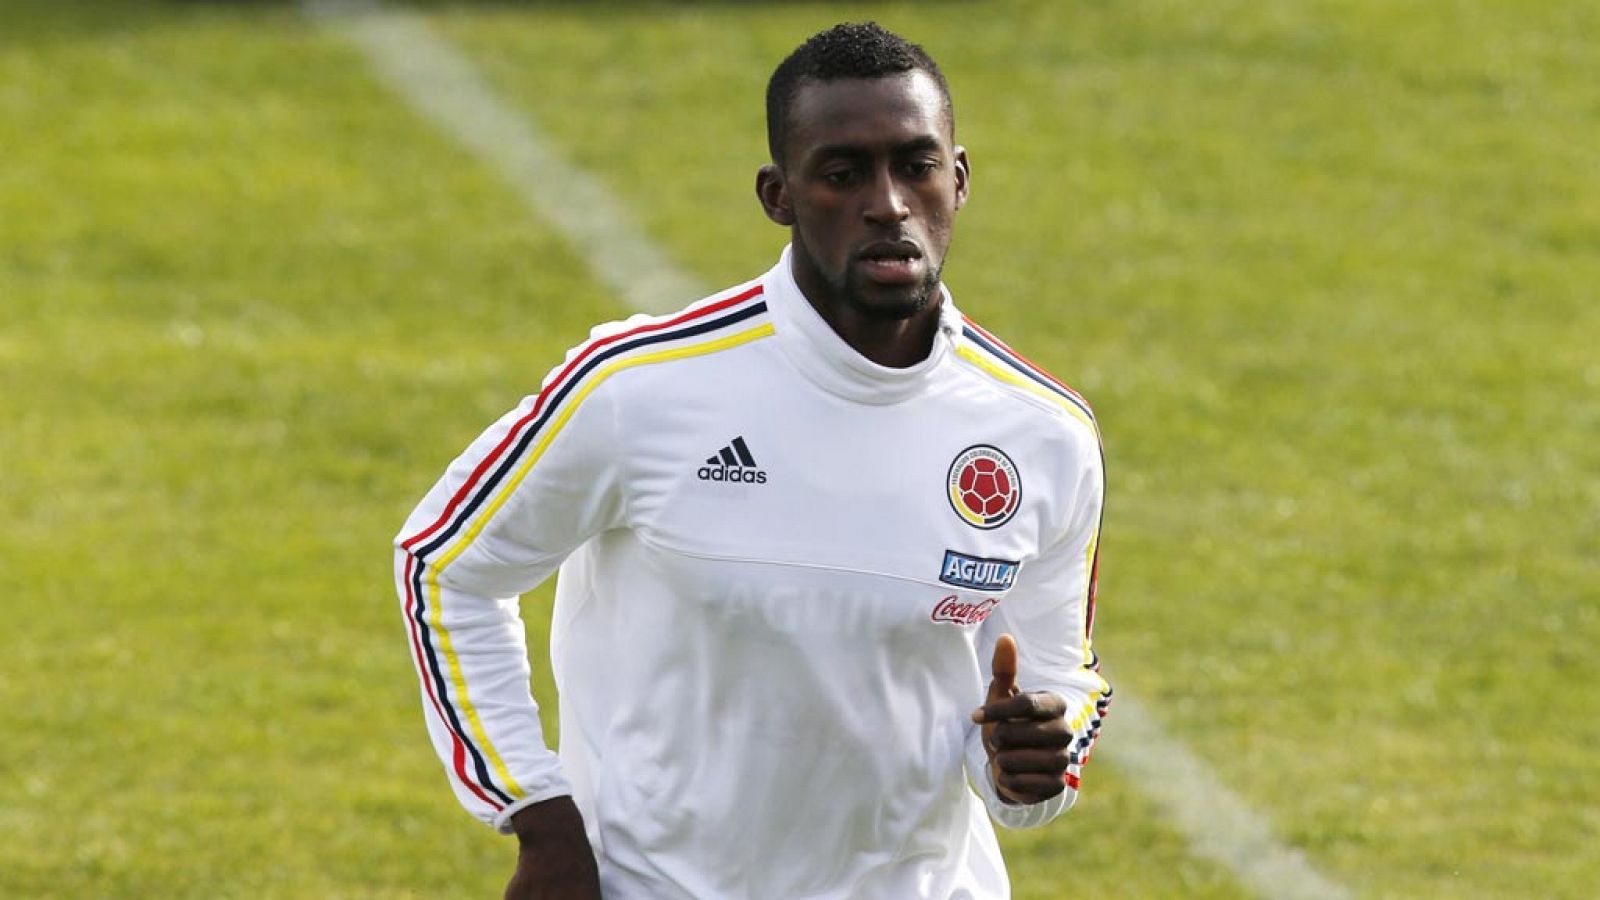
x=720, y=321
x=993, y=361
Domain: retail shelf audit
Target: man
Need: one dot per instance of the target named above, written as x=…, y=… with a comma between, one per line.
x=795, y=524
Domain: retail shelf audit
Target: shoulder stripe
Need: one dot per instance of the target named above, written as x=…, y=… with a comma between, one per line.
x=1009, y=375
x=470, y=495
x=1016, y=361
x=566, y=411
x=526, y=442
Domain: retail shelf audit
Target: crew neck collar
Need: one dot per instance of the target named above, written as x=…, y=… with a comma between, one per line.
x=826, y=359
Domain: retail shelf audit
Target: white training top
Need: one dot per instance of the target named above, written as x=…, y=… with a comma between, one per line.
x=783, y=569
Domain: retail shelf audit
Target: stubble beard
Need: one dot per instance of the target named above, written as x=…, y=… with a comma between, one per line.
x=853, y=289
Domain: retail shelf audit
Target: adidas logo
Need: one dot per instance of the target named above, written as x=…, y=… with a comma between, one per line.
x=733, y=463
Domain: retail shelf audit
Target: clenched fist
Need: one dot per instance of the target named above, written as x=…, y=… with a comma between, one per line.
x=1025, y=733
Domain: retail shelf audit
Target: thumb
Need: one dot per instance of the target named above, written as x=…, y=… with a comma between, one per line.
x=1004, y=668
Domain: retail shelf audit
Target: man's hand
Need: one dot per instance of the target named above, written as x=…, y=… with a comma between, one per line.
x=554, y=859
x=1026, y=734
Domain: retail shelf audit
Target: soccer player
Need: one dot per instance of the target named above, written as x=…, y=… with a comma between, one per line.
x=800, y=525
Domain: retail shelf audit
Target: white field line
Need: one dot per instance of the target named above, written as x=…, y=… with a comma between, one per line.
x=442, y=85
x=1218, y=825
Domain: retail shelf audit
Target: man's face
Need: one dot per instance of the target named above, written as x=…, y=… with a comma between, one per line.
x=870, y=186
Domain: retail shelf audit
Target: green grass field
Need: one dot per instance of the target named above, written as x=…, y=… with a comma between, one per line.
x=1327, y=270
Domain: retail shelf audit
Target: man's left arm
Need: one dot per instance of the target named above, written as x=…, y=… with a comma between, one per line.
x=1046, y=702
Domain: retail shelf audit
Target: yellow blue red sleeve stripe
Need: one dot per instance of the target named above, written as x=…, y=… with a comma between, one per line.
x=702, y=329
x=1031, y=375
x=996, y=357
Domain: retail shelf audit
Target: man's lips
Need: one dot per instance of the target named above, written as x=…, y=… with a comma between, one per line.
x=892, y=262
x=899, y=249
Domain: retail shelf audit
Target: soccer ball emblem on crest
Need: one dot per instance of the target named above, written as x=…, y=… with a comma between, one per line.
x=984, y=488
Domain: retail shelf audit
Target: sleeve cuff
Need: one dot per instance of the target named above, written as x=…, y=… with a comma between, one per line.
x=502, y=820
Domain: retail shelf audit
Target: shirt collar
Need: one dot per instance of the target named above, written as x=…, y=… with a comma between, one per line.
x=823, y=356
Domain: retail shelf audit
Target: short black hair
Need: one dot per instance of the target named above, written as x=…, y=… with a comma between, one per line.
x=847, y=50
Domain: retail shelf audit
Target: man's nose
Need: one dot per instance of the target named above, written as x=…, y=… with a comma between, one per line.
x=886, y=203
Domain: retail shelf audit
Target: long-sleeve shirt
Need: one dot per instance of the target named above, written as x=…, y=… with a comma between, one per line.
x=783, y=570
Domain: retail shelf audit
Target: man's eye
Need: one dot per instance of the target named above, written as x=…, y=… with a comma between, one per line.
x=922, y=167
x=837, y=177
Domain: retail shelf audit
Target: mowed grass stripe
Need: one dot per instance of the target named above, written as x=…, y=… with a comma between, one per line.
x=427, y=71
x=250, y=306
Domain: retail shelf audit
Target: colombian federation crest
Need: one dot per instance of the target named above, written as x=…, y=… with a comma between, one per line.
x=984, y=488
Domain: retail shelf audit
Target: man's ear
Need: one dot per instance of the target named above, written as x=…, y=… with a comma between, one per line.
x=963, y=176
x=772, y=189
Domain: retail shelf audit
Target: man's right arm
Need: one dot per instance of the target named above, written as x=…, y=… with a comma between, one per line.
x=528, y=491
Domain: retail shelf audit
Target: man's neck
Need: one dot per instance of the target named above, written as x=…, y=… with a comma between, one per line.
x=892, y=343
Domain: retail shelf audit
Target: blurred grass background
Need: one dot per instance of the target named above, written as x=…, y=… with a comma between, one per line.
x=1327, y=271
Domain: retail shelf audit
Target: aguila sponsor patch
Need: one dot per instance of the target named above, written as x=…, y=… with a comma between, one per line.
x=978, y=573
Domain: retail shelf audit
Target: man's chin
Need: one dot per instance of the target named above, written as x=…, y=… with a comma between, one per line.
x=891, y=304
x=892, y=311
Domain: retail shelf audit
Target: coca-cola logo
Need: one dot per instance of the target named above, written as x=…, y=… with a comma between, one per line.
x=963, y=612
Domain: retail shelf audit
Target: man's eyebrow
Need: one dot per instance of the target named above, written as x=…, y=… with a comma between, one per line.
x=845, y=151
x=922, y=144
x=918, y=145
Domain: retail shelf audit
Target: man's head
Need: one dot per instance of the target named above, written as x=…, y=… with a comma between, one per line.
x=845, y=51
x=865, y=171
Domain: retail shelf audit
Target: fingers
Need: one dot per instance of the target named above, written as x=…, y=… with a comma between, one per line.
x=1030, y=776
x=1051, y=761
x=1036, y=706
x=1030, y=787
x=1020, y=734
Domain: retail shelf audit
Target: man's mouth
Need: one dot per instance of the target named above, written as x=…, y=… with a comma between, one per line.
x=892, y=262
